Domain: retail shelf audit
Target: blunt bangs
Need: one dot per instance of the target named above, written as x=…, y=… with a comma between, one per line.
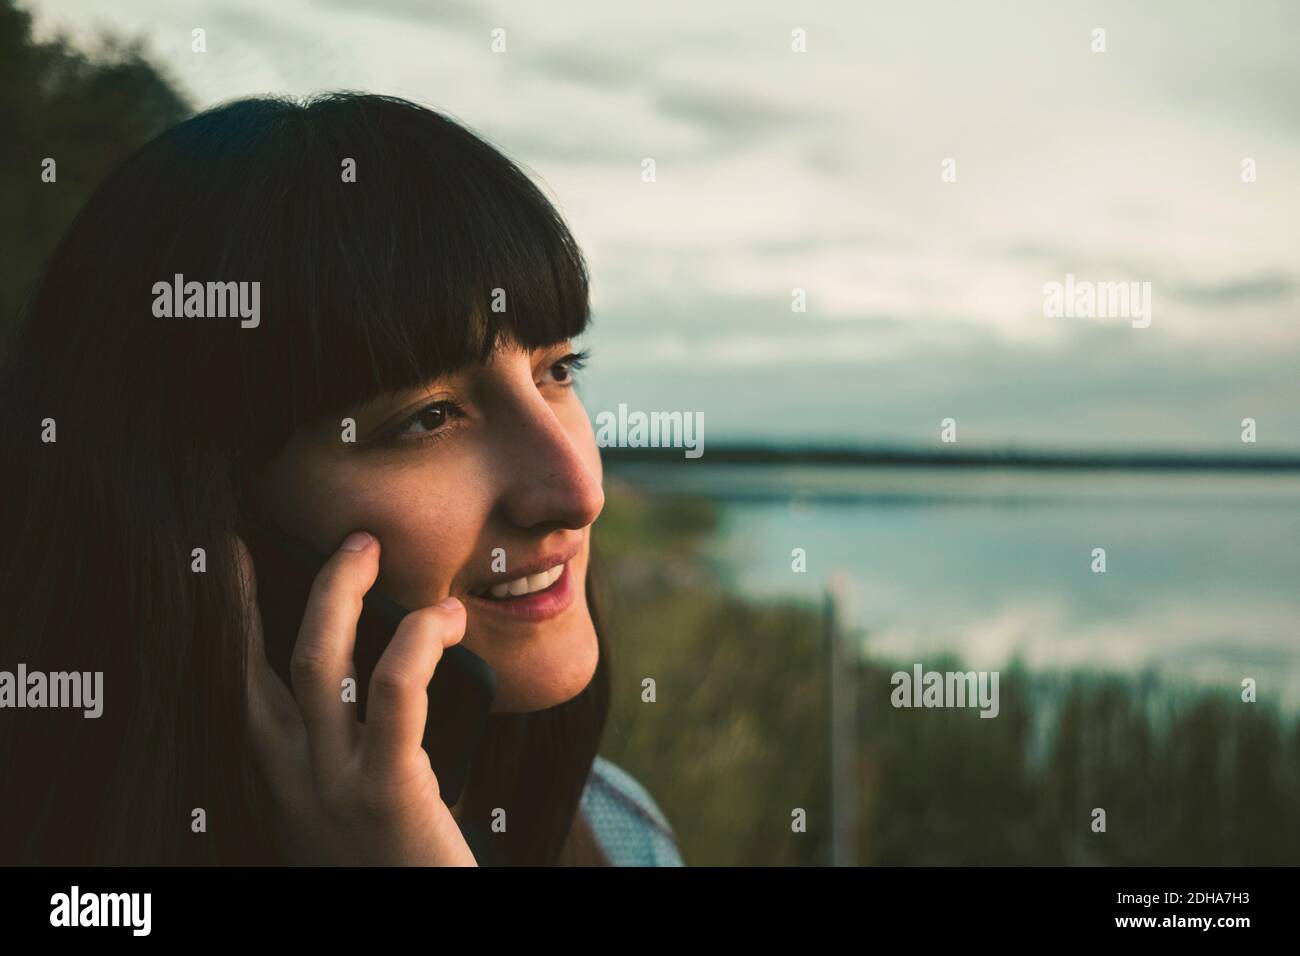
x=388, y=246
x=387, y=282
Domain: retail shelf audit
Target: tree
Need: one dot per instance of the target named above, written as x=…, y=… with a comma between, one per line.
x=87, y=112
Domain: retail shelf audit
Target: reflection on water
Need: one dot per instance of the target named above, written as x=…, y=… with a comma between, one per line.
x=1202, y=573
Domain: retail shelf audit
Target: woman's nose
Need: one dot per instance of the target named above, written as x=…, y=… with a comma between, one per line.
x=547, y=463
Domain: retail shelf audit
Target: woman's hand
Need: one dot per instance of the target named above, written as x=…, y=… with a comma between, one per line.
x=348, y=792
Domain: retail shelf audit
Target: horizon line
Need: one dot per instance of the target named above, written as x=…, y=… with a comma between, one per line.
x=755, y=453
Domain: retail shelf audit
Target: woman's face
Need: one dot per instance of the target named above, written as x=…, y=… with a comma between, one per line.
x=492, y=467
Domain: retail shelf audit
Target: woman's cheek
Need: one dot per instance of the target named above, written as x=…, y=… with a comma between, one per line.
x=429, y=521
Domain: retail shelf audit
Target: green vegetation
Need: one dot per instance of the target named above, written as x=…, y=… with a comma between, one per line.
x=738, y=736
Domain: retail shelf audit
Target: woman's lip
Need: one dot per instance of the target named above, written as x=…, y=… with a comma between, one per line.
x=538, y=606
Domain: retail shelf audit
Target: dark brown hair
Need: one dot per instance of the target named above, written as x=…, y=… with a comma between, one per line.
x=367, y=286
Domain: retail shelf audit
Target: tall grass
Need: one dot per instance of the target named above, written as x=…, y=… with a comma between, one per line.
x=736, y=738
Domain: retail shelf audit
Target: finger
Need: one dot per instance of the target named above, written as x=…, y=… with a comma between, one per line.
x=397, y=702
x=322, y=654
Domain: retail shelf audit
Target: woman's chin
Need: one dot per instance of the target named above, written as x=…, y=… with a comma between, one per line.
x=540, y=673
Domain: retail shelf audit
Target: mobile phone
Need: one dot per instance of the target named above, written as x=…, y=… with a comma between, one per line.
x=463, y=685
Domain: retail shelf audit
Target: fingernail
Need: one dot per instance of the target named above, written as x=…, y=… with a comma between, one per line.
x=449, y=604
x=356, y=541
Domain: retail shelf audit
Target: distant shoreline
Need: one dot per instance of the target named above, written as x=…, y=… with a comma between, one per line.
x=743, y=454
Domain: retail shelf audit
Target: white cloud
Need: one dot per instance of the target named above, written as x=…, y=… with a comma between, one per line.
x=821, y=170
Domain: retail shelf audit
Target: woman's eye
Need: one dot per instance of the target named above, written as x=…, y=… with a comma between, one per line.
x=426, y=420
x=563, y=371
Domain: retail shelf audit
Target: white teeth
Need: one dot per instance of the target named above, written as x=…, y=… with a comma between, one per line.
x=527, y=584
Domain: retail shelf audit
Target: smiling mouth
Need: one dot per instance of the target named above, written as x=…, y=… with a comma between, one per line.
x=525, y=586
x=529, y=599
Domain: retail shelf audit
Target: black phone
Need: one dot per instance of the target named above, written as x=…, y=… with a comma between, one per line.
x=463, y=686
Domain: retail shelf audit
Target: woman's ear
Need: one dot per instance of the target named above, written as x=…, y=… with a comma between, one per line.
x=270, y=702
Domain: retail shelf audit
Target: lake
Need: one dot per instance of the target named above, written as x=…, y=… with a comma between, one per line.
x=1202, y=578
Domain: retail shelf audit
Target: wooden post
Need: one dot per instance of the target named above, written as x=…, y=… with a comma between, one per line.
x=843, y=726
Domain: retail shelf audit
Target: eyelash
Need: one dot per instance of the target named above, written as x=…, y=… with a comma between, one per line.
x=394, y=437
x=573, y=361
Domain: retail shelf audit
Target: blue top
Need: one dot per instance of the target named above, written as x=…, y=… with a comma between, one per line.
x=625, y=819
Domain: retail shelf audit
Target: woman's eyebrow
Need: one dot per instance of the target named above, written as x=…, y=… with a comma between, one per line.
x=376, y=410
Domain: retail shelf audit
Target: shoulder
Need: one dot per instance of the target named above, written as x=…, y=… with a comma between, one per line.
x=627, y=821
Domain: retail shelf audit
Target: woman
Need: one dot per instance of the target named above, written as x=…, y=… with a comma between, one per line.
x=389, y=380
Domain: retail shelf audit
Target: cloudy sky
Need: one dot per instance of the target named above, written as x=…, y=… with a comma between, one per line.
x=821, y=170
